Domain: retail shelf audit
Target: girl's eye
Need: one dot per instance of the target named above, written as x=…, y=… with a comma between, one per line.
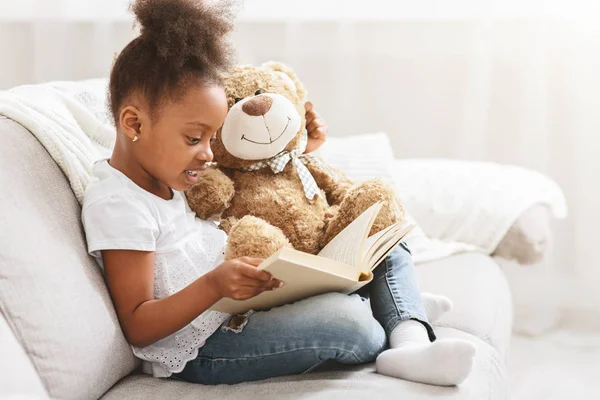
x=213, y=138
x=238, y=99
x=259, y=91
x=194, y=140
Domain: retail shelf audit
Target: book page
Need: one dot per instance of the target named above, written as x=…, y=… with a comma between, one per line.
x=383, y=253
x=385, y=244
x=374, y=241
x=347, y=246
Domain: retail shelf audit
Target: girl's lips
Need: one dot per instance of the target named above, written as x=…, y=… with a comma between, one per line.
x=192, y=174
x=191, y=177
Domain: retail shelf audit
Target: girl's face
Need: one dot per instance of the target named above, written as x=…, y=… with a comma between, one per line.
x=176, y=145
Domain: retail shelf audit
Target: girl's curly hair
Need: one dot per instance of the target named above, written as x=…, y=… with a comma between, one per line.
x=181, y=42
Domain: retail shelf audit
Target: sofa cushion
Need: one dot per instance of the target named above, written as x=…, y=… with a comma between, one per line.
x=51, y=292
x=18, y=377
x=487, y=381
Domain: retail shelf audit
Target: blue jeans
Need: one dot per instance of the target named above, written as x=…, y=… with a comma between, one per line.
x=297, y=337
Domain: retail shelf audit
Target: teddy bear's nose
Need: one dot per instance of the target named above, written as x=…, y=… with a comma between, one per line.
x=258, y=106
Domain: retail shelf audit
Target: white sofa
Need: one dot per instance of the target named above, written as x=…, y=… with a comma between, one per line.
x=60, y=338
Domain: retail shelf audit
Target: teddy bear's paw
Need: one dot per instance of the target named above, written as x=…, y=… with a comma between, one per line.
x=254, y=237
x=392, y=209
x=211, y=195
x=358, y=200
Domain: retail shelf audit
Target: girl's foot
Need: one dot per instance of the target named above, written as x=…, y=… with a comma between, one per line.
x=435, y=305
x=413, y=357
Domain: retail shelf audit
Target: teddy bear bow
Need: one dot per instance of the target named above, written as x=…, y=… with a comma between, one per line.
x=278, y=163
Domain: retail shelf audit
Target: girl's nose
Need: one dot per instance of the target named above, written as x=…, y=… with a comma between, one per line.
x=205, y=154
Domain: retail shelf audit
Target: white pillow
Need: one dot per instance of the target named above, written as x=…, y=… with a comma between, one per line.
x=361, y=157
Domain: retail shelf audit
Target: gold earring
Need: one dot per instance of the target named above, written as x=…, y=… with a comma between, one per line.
x=135, y=138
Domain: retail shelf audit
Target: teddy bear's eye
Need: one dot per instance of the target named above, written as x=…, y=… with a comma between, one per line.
x=259, y=91
x=238, y=99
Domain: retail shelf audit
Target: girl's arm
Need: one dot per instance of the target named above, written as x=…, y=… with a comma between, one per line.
x=145, y=320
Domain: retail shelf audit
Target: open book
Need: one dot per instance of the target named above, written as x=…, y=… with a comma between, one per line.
x=344, y=265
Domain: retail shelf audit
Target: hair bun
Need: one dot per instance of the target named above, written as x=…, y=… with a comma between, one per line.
x=186, y=30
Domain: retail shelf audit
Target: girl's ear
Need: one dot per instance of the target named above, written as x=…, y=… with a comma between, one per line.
x=130, y=122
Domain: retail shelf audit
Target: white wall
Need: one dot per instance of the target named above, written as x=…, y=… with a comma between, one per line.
x=483, y=80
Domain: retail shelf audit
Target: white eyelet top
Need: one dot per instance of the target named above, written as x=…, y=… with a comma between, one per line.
x=119, y=215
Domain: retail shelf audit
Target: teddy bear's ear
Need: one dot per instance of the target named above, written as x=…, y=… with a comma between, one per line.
x=288, y=76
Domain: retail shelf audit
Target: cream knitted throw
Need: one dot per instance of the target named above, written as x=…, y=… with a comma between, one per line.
x=71, y=121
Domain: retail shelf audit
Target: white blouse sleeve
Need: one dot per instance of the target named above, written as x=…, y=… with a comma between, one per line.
x=119, y=222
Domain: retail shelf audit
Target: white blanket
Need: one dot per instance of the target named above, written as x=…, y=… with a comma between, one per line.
x=472, y=202
x=458, y=205
x=70, y=119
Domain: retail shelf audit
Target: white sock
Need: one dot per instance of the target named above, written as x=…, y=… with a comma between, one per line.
x=413, y=357
x=435, y=305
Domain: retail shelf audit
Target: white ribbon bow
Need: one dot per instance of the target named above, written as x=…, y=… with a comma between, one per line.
x=278, y=162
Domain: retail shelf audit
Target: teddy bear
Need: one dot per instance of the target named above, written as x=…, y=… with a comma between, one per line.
x=264, y=191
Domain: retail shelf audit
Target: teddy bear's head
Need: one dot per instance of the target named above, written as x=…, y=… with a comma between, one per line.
x=266, y=115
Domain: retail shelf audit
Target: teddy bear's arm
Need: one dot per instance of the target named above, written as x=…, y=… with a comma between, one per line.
x=212, y=194
x=335, y=188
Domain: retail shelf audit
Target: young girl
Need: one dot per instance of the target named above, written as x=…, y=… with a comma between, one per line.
x=164, y=267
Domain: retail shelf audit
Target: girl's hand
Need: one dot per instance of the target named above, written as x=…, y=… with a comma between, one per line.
x=239, y=279
x=316, y=128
